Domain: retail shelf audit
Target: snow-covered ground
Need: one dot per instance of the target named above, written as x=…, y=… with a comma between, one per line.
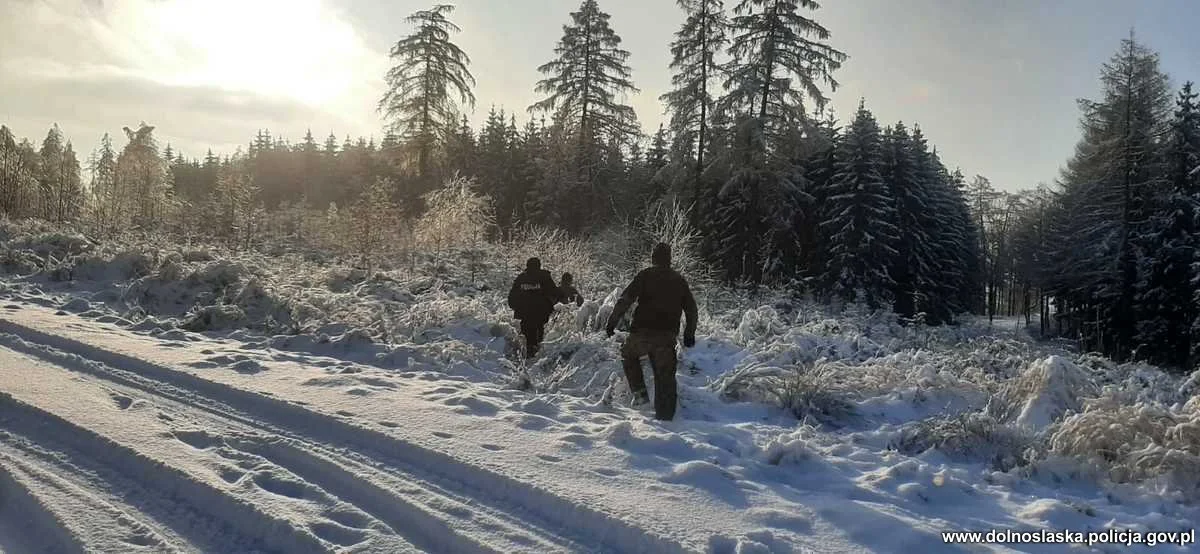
x=176, y=400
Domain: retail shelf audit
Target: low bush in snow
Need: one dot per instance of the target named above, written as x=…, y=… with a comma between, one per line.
x=809, y=392
x=971, y=437
x=1135, y=443
x=1046, y=391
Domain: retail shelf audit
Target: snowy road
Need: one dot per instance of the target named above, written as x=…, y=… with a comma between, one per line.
x=103, y=451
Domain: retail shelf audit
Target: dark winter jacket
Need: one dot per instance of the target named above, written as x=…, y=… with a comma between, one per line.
x=662, y=295
x=567, y=294
x=533, y=295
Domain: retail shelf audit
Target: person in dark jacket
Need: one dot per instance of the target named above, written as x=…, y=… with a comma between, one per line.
x=662, y=295
x=532, y=298
x=567, y=292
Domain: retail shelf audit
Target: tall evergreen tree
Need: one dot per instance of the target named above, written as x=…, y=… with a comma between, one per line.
x=911, y=266
x=1108, y=186
x=1167, y=297
x=694, y=60
x=858, y=219
x=587, y=78
x=585, y=87
x=461, y=152
x=779, y=59
x=427, y=84
x=18, y=175
x=104, y=185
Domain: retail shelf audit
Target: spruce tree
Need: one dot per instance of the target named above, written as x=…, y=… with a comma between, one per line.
x=429, y=81
x=1167, y=293
x=691, y=102
x=141, y=177
x=1108, y=189
x=858, y=219
x=461, y=152
x=585, y=88
x=587, y=78
x=779, y=60
x=911, y=265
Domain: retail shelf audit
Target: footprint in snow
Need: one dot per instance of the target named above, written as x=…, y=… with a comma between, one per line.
x=549, y=458
x=279, y=486
x=377, y=382
x=440, y=392
x=492, y=447
x=123, y=402
x=579, y=441
x=248, y=367
x=200, y=440
x=389, y=424
x=440, y=434
x=345, y=413
x=230, y=475
x=337, y=534
x=473, y=406
x=607, y=472
x=142, y=539
x=351, y=519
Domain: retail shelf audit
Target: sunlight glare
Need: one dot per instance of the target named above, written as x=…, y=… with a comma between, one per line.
x=290, y=48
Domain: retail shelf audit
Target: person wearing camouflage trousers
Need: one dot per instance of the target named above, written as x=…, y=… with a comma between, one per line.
x=662, y=295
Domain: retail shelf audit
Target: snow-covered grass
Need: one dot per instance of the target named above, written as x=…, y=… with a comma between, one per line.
x=779, y=392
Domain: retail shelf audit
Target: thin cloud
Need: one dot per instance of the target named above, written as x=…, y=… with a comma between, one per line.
x=205, y=74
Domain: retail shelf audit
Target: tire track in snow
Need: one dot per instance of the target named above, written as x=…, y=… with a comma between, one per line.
x=238, y=518
x=511, y=504
x=107, y=527
x=430, y=518
x=27, y=524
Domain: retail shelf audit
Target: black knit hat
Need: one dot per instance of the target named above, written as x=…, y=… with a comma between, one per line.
x=533, y=263
x=661, y=255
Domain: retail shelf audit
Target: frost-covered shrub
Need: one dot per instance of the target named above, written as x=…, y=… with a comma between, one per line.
x=758, y=325
x=57, y=245
x=1047, y=390
x=1135, y=443
x=809, y=392
x=559, y=253
x=198, y=255
x=972, y=437
x=214, y=318
x=220, y=274
x=20, y=262
x=575, y=367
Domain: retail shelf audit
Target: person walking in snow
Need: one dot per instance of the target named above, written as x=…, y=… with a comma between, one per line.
x=662, y=295
x=532, y=300
x=567, y=293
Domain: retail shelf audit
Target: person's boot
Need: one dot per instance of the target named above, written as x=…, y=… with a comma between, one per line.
x=640, y=399
x=636, y=380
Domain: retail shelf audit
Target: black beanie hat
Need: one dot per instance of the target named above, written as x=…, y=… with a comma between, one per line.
x=533, y=263
x=661, y=254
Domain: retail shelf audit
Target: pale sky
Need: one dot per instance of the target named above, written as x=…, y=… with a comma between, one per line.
x=992, y=83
